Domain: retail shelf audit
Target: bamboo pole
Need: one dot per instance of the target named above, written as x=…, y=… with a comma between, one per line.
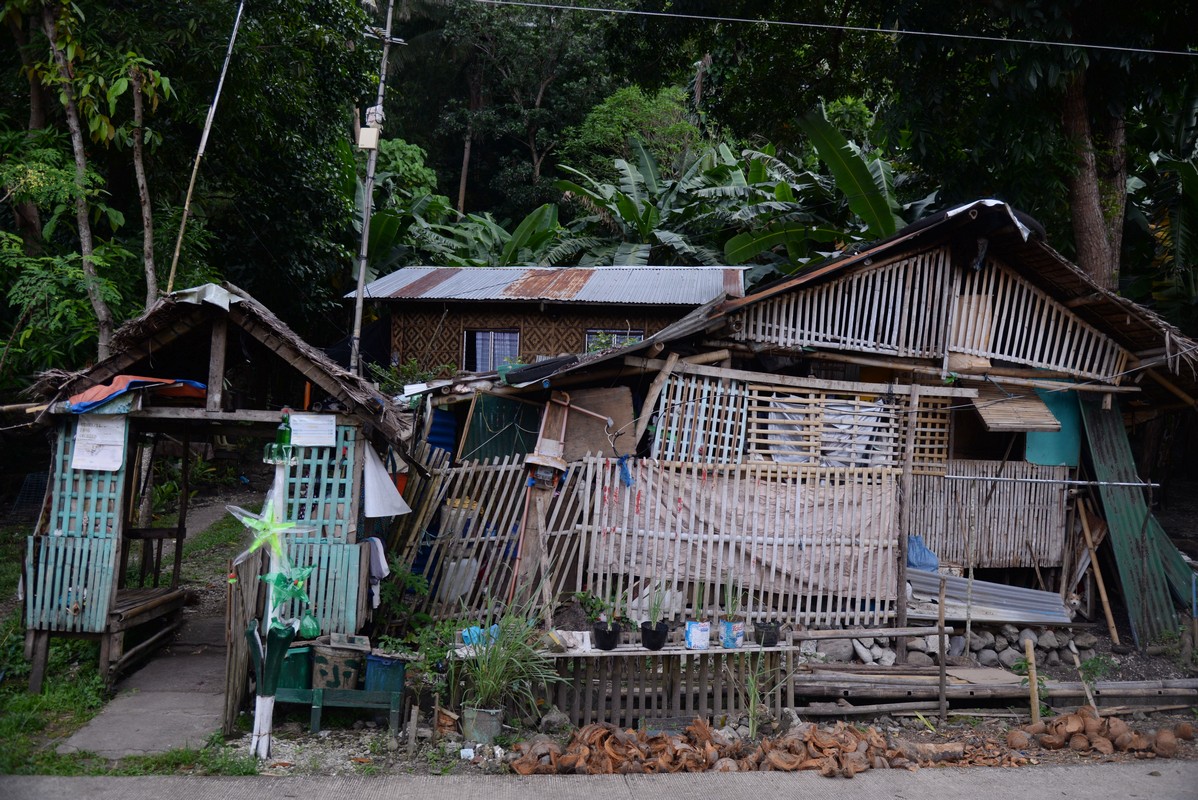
x=1106, y=603
x=651, y=396
x=1029, y=652
x=943, y=665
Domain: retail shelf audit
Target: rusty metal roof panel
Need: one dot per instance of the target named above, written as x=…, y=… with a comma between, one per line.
x=679, y=286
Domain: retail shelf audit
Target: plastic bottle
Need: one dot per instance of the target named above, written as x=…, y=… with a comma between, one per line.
x=283, y=432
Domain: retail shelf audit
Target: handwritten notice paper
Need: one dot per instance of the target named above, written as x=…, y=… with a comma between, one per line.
x=99, y=442
x=313, y=430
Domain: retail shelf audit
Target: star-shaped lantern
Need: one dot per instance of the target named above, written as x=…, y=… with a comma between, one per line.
x=266, y=529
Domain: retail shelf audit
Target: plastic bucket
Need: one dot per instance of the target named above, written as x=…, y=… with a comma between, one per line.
x=481, y=725
x=384, y=674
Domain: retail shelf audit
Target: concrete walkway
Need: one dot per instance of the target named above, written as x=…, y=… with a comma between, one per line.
x=1155, y=779
x=176, y=700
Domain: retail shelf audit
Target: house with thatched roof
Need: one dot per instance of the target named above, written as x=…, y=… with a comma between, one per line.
x=192, y=369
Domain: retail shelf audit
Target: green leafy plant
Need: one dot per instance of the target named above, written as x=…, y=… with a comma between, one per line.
x=657, y=600
x=732, y=599
x=506, y=668
x=609, y=610
x=399, y=596
x=1096, y=668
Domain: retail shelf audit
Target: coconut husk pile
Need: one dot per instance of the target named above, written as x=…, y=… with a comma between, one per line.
x=1084, y=731
x=837, y=751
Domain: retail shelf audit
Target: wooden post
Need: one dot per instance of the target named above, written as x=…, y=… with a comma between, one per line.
x=1106, y=604
x=1033, y=688
x=412, y=721
x=905, y=520
x=943, y=665
x=216, y=363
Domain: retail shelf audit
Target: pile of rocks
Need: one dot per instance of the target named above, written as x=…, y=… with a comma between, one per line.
x=990, y=647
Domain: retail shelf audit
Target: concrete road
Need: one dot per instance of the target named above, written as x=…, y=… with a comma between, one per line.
x=1155, y=779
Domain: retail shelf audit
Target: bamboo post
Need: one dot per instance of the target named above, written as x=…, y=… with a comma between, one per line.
x=1033, y=688
x=651, y=396
x=943, y=665
x=1106, y=603
x=907, y=485
x=412, y=722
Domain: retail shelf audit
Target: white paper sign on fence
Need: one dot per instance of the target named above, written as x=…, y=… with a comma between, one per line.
x=313, y=430
x=99, y=442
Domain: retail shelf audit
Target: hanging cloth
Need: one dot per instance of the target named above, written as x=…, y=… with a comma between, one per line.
x=382, y=498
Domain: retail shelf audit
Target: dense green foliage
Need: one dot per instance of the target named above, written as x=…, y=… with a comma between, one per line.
x=517, y=135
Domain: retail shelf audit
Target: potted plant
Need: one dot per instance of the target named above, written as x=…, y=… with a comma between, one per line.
x=698, y=630
x=732, y=626
x=654, y=630
x=604, y=616
x=766, y=632
x=502, y=670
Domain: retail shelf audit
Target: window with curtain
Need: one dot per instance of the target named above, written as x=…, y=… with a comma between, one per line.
x=487, y=350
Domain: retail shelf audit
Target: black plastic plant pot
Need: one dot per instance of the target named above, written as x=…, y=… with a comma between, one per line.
x=766, y=633
x=653, y=637
x=607, y=637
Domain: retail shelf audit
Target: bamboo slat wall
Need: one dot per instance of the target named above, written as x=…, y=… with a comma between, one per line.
x=467, y=534
x=898, y=309
x=803, y=544
x=1000, y=315
x=999, y=520
x=70, y=580
x=242, y=604
x=730, y=421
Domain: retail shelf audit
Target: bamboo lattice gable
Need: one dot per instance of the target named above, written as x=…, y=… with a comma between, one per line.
x=1000, y=315
x=899, y=309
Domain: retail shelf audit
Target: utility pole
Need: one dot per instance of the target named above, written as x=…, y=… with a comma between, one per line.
x=374, y=118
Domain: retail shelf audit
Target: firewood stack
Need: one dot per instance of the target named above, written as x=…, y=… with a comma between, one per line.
x=838, y=751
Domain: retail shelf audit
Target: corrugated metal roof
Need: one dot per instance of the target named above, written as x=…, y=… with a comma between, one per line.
x=681, y=286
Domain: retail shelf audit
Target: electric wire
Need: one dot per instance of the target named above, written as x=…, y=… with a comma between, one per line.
x=832, y=27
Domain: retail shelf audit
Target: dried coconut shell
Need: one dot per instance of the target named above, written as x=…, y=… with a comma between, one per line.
x=1079, y=742
x=1140, y=742
x=1051, y=741
x=1073, y=723
x=726, y=765
x=1088, y=712
x=1115, y=728
x=1184, y=730
x=1102, y=745
x=1018, y=740
x=1165, y=744
x=1093, y=726
x=1123, y=741
x=1035, y=728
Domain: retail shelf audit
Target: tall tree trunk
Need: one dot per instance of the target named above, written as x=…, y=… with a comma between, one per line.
x=86, y=244
x=143, y=188
x=1097, y=193
x=26, y=217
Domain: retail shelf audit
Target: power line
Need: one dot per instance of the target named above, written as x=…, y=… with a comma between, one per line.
x=831, y=27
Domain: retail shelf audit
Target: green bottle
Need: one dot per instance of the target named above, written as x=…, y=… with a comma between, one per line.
x=283, y=432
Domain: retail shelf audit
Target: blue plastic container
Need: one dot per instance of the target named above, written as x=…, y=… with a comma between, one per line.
x=384, y=674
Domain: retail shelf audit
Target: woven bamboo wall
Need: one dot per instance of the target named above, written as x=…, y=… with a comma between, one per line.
x=1003, y=522
x=434, y=337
